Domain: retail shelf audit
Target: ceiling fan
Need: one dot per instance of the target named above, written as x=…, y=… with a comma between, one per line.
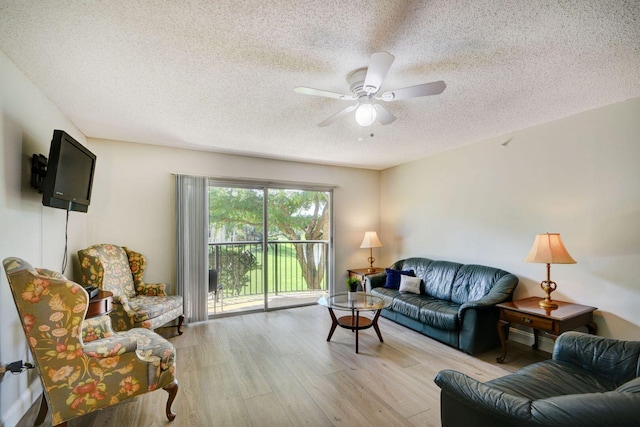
x=365, y=85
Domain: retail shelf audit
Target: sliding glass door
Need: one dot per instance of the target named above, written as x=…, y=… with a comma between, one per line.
x=268, y=247
x=298, y=239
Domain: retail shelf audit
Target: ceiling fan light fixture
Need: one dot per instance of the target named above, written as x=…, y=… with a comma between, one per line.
x=365, y=83
x=365, y=114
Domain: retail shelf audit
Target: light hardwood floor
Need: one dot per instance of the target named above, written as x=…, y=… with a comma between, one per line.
x=277, y=369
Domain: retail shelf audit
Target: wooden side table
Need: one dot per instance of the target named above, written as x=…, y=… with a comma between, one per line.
x=100, y=304
x=361, y=273
x=527, y=312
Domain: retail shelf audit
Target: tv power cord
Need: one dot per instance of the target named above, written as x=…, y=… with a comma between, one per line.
x=15, y=368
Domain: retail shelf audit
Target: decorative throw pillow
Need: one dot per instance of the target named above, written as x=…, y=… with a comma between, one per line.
x=393, y=277
x=410, y=284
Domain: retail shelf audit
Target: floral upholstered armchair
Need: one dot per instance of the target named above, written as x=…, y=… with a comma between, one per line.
x=84, y=366
x=136, y=303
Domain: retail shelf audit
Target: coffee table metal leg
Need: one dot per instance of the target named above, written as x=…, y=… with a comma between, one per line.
x=334, y=324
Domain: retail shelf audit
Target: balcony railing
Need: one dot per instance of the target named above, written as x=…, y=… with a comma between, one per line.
x=239, y=267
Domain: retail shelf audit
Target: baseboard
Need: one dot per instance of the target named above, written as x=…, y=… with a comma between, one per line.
x=22, y=405
x=526, y=338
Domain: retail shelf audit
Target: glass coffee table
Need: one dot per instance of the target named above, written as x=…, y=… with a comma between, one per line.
x=356, y=303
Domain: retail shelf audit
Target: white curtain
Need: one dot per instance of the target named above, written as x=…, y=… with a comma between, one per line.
x=192, y=223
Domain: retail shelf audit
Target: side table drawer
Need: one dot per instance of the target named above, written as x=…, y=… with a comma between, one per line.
x=528, y=320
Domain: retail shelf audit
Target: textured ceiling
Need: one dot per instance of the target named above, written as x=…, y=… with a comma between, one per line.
x=219, y=75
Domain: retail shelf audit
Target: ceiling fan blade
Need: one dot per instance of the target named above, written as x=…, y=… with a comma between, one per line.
x=383, y=115
x=426, y=89
x=378, y=68
x=325, y=93
x=336, y=116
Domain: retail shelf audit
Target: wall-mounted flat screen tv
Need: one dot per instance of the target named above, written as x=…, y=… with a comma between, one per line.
x=69, y=178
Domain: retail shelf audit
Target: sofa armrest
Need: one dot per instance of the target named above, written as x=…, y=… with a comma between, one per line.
x=375, y=281
x=616, y=360
x=501, y=291
x=482, y=397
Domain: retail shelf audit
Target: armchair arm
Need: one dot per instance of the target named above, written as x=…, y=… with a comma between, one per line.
x=501, y=291
x=482, y=397
x=151, y=289
x=616, y=360
x=50, y=273
x=124, y=302
x=96, y=328
x=113, y=346
x=588, y=410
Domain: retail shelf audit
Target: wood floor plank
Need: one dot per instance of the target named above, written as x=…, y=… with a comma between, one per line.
x=265, y=411
x=299, y=406
x=373, y=406
x=325, y=391
x=250, y=380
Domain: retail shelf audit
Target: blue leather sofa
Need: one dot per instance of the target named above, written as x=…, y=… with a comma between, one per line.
x=456, y=304
x=591, y=381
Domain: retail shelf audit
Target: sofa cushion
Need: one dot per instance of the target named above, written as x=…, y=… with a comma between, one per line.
x=418, y=265
x=472, y=282
x=430, y=311
x=439, y=314
x=438, y=279
x=393, y=277
x=386, y=294
x=551, y=378
x=408, y=305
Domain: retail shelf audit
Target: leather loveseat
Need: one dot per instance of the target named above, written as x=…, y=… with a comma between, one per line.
x=455, y=304
x=590, y=381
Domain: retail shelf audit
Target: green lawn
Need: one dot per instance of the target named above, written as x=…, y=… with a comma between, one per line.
x=284, y=271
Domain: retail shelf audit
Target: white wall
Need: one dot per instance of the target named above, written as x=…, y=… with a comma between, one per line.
x=133, y=199
x=485, y=202
x=27, y=229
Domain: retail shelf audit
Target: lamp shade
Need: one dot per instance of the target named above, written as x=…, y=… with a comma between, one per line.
x=548, y=249
x=371, y=240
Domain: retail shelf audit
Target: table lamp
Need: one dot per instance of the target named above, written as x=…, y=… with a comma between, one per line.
x=548, y=249
x=371, y=241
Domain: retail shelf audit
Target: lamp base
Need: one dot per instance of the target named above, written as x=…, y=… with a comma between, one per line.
x=371, y=260
x=548, y=304
x=548, y=286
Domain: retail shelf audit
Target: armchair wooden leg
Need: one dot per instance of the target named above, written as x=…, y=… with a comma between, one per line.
x=172, y=389
x=42, y=412
x=180, y=320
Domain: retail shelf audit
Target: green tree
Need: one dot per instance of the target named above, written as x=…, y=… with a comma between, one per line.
x=236, y=215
